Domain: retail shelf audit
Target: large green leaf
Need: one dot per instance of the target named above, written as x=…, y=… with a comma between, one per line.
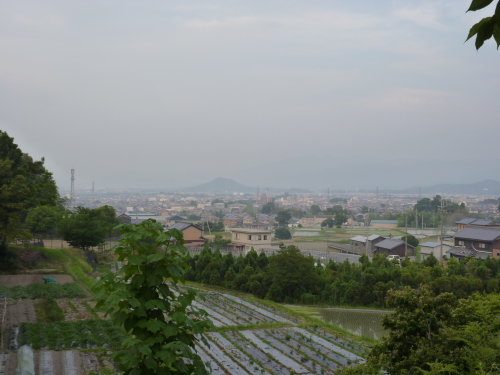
x=474, y=29
x=485, y=32
x=479, y=4
x=496, y=34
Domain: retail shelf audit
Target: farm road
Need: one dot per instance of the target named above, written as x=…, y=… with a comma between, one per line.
x=25, y=280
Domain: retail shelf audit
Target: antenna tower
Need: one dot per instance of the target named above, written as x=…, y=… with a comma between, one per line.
x=72, y=192
x=377, y=193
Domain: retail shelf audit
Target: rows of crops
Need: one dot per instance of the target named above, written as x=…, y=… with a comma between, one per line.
x=47, y=291
x=288, y=349
x=276, y=351
x=82, y=334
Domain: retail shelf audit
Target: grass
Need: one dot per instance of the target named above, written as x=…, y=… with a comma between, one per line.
x=48, y=291
x=78, y=268
x=49, y=311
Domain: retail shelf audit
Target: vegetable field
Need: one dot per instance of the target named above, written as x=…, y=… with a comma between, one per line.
x=283, y=345
x=47, y=291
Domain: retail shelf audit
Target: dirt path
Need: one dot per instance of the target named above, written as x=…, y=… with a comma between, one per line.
x=24, y=280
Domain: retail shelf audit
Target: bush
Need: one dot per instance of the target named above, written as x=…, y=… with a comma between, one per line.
x=49, y=311
x=9, y=260
x=47, y=291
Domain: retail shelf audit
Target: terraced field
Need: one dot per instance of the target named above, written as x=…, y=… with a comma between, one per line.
x=284, y=345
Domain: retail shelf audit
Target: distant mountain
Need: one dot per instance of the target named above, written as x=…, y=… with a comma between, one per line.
x=221, y=185
x=486, y=187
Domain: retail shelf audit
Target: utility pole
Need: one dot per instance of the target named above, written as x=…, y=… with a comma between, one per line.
x=72, y=191
x=442, y=209
x=406, y=230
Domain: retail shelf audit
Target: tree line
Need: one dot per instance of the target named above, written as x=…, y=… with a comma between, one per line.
x=290, y=277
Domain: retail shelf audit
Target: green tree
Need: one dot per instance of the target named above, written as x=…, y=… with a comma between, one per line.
x=282, y=233
x=340, y=219
x=193, y=203
x=193, y=217
x=220, y=241
x=24, y=184
x=429, y=334
x=85, y=227
x=283, y=218
x=268, y=208
x=315, y=210
x=290, y=274
x=486, y=28
x=43, y=219
x=144, y=299
x=337, y=209
x=328, y=223
x=410, y=239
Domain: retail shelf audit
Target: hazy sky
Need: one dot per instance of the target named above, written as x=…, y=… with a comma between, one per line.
x=166, y=93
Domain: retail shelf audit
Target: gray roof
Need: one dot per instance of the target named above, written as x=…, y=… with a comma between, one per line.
x=390, y=244
x=462, y=253
x=359, y=239
x=482, y=222
x=466, y=220
x=182, y=226
x=430, y=244
x=176, y=217
x=478, y=234
x=373, y=237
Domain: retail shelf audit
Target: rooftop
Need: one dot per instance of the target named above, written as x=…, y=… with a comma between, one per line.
x=479, y=234
x=430, y=244
x=250, y=230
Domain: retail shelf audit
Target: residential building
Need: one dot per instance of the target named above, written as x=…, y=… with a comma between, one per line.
x=391, y=246
x=246, y=238
x=479, y=242
x=468, y=221
x=434, y=248
x=193, y=234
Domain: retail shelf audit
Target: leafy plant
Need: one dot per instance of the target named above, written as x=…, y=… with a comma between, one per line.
x=49, y=311
x=486, y=28
x=144, y=299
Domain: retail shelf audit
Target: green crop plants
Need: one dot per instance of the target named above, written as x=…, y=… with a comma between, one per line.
x=90, y=309
x=49, y=311
x=47, y=291
x=71, y=334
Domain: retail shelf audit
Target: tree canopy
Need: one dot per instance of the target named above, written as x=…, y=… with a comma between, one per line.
x=315, y=209
x=283, y=217
x=24, y=184
x=268, y=208
x=282, y=233
x=486, y=28
x=85, y=227
x=431, y=334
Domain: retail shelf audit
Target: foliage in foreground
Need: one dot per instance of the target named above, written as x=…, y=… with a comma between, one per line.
x=82, y=334
x=144, y=299
x=437, y=335
x=47, y=291
x=486, y=28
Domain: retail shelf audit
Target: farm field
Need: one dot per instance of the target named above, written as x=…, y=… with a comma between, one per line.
x=255, y=338
x=360, y=322
x=69, y=337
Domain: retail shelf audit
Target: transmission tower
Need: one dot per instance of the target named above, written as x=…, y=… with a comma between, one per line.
x=92, y=192
x=72, y=192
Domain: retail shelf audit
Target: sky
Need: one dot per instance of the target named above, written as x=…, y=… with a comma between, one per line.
x=175, y=93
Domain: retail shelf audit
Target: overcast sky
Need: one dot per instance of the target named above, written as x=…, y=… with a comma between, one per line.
x=138, y=93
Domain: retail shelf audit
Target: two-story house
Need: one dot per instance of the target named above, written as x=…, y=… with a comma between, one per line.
x=245, y=239
x=479, y=242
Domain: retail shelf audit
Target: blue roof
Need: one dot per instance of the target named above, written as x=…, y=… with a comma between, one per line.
x=385, y=221
x=430, y=244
